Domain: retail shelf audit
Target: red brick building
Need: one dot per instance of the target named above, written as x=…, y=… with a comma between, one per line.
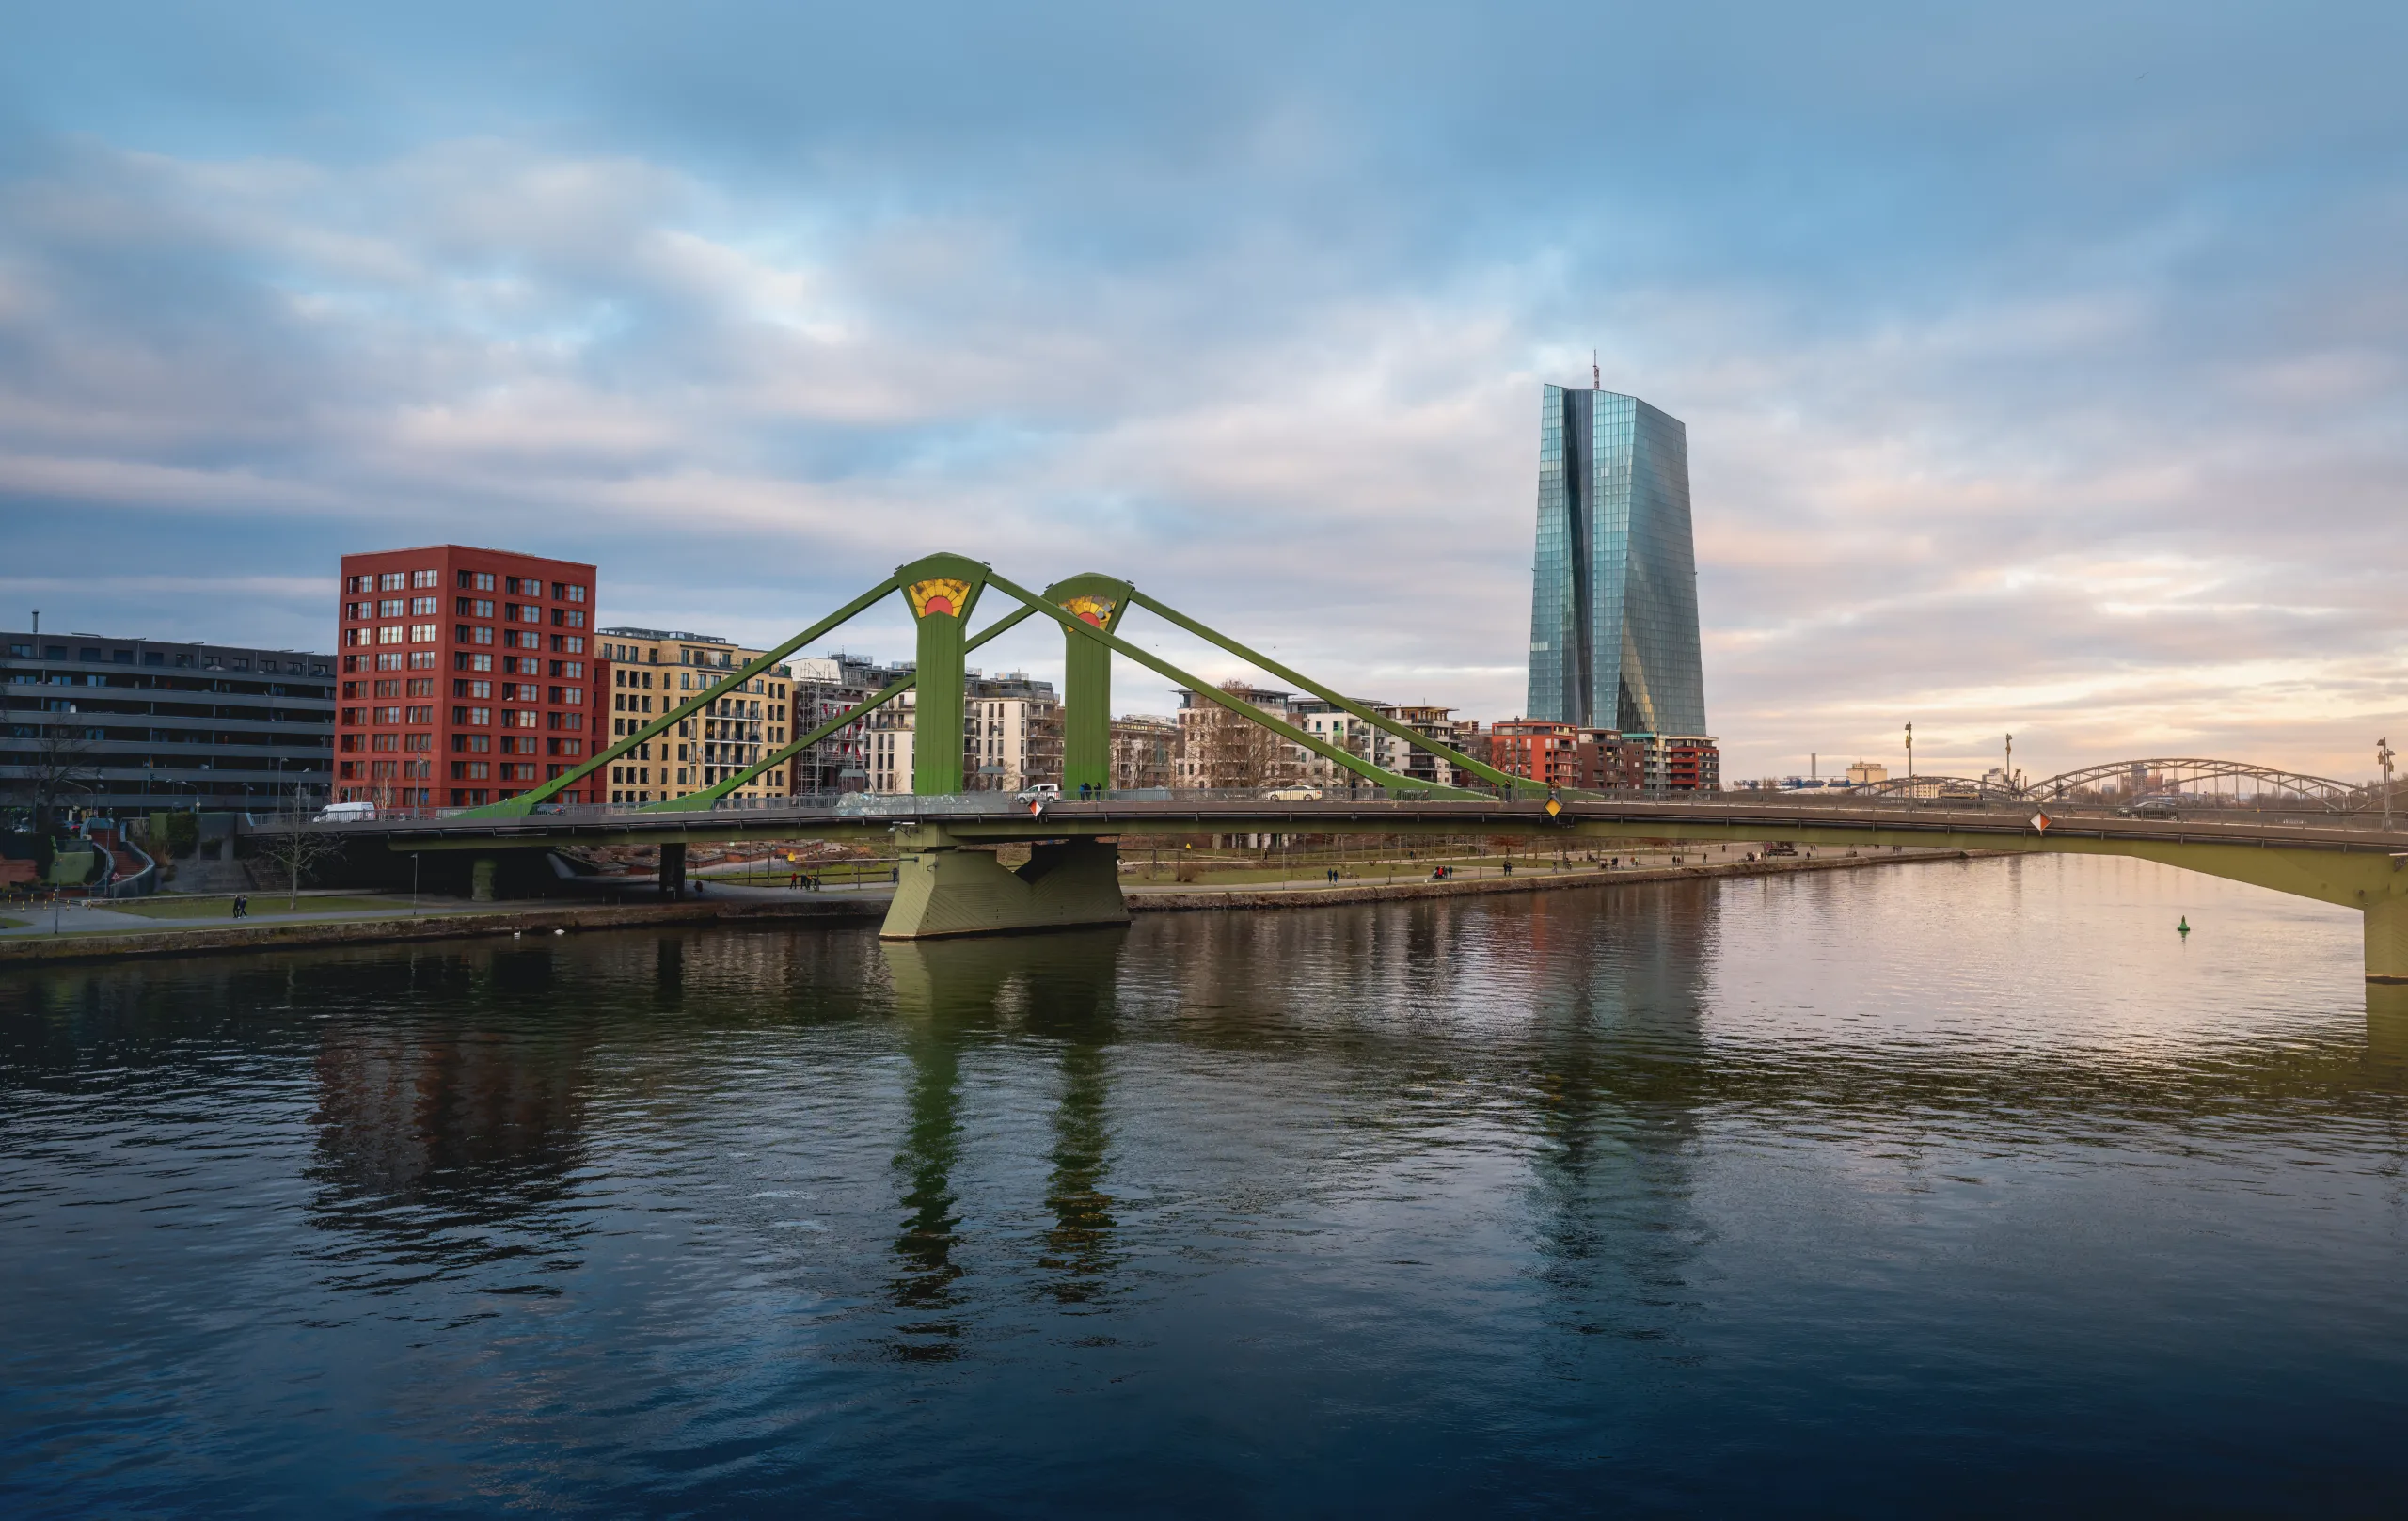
x=466, y=676
x=1557, y=754
x=1684, y=763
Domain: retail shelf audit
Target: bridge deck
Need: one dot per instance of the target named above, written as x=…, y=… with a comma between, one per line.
x=998, y=819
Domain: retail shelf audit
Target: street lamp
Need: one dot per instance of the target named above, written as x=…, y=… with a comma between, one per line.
x=2383, y=757
x=1910, y=752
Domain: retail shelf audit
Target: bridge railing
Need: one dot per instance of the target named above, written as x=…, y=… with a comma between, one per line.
x=866, y=806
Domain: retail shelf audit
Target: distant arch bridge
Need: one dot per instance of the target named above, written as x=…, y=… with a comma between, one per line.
x=2157, y=776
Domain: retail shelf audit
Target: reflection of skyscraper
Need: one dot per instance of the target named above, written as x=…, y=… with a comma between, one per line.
x=1613, y=594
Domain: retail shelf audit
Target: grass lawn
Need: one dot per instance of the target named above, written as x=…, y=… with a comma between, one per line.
x=13, y=924
x=1219, y=872
x=218, y=908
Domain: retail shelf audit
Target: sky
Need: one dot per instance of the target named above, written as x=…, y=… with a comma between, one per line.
x=2045, y=368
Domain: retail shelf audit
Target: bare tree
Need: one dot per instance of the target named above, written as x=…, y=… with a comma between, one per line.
x=1235, y=752
x=58, y=767
x=294, y=845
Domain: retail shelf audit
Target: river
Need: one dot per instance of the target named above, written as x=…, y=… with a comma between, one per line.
x=1966, y=1186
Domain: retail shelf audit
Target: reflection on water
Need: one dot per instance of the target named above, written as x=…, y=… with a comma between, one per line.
x=1057, y=989
x=1868, y=1192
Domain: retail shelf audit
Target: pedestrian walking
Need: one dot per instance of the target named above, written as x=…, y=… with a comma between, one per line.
x=242, y=907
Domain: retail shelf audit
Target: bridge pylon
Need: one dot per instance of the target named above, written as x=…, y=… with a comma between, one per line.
x=942, y=590
x=1100, y=602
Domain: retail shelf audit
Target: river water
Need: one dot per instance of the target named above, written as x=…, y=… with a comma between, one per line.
x=1966, y=1186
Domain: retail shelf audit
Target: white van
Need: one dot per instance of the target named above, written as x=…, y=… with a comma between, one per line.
x=340, y=813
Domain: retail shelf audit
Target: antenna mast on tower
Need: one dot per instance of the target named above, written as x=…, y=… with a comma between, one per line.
x=1596, y=378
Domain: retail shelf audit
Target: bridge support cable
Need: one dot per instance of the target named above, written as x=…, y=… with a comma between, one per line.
x=1387, y=726
x=886, y=695
x=526, y=802
x=1355, y=764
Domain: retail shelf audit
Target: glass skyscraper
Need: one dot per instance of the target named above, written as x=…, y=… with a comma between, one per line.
x=1614, y=591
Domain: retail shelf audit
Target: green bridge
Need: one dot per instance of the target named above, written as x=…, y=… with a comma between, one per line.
x=951, y=883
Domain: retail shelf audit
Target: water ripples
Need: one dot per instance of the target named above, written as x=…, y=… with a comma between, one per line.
x=1819, y=1193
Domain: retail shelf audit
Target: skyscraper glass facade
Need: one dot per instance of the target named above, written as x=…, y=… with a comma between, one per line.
x=1613, y=593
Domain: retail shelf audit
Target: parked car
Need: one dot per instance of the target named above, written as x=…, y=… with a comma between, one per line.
x=1293, y=794
x=338, y=813
x=1042, y=792
x=2166, y=808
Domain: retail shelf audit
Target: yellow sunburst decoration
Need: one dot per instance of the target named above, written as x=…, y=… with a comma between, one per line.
x=1095, y=609
x=942, y=594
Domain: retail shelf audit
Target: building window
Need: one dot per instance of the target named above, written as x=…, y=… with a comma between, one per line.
x=564, y=592
x=472, y=634
x=426, y=577
x=393, y=580
x=424, y=606
x=391, y=634
x=422, y=633
x=472, y=607
x=475, y=581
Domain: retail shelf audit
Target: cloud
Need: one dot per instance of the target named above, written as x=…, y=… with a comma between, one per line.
x=2030, y=386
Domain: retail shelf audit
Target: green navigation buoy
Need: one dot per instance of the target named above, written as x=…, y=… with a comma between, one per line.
x=2184, y=928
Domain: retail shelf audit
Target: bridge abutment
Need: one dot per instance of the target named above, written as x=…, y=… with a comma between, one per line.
x=945, y=889
x=2386, y=927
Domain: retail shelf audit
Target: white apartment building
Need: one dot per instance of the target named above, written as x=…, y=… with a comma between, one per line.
x=1011, y=737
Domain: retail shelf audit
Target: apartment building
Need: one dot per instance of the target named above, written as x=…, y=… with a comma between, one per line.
x=1678, y=763
x=1440, y=724
x=655, y=671
x=1218, y=749
x=1011, y=735
x=1014, y=732
x=466, y=677
x=1143, y=750
x=126, y=726
x=827, y=687
x=1557, y=754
